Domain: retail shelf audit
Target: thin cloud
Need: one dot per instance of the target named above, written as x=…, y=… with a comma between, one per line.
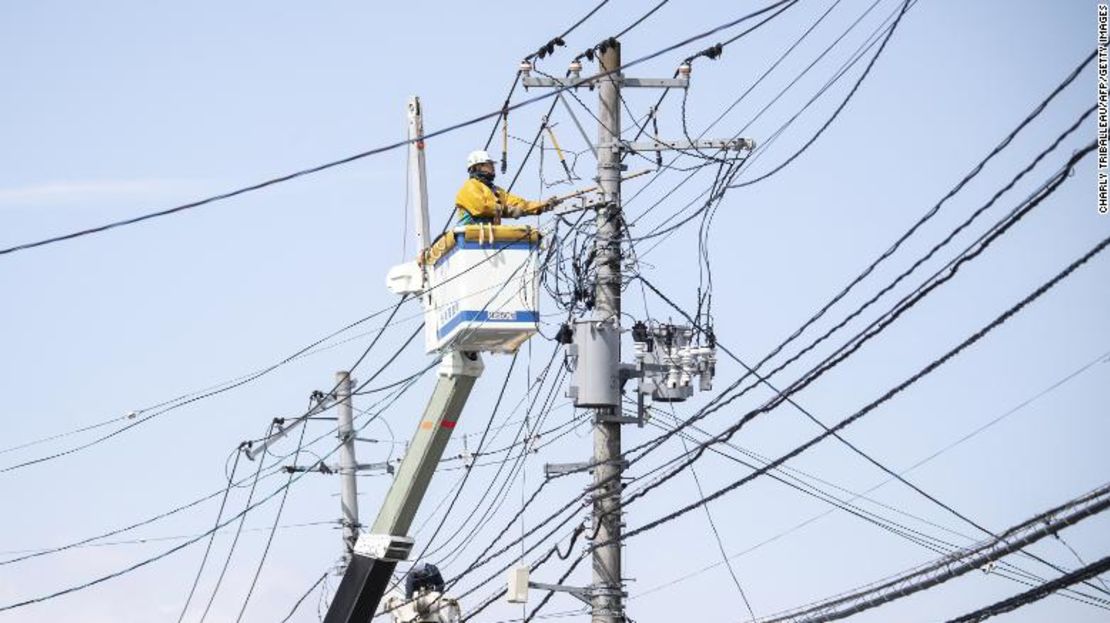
x=74, y=191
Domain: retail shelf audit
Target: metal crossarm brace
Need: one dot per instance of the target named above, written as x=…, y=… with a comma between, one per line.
x=581, y=594
x=738, y=144
x=645, y=83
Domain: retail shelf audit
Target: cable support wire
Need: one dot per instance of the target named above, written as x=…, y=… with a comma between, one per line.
x=957, y=564
x=1083, y=574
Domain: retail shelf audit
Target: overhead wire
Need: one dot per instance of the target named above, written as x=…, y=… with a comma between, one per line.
x=234, y=541
x=803, y=483
x=369, y=152
x=483, y=558
x=187, y=399
x=212, y=538
x=929, y=368
x=976, y=250
x=941, y=276
x=716, y=194
x=1085, y=573
x=840, y=108
x=273, y=531
x=952, y=565
x=916, y=488
x=297, y=604
x=166, y=553
x=935, y=208
x=747, y=92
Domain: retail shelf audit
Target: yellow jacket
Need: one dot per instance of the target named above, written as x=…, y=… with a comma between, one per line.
x=476, y=202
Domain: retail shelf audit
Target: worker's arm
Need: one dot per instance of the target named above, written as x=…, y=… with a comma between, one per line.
x=477, y=200
x=517, y=206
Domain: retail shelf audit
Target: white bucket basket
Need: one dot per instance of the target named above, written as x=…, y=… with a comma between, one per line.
x=481, y=289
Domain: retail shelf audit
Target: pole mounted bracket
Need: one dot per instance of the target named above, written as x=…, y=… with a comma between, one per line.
x=578, y=592
x=551, y=470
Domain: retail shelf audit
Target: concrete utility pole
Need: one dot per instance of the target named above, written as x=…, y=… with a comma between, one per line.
x=348, y=465
x=607, y=595
x=599, y=374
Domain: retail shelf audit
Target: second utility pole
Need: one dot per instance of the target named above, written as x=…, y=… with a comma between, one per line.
x=348, y=465
x=607, y=603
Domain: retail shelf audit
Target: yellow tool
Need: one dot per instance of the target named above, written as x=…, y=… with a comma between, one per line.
x=558, y=150
x=591, y=189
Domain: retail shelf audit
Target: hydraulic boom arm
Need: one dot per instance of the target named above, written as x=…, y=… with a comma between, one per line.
x=376, y=554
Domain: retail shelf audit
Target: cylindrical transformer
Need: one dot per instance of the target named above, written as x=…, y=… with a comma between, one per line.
x=596, y=375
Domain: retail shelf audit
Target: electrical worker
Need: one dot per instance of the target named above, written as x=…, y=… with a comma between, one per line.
x=479, y=201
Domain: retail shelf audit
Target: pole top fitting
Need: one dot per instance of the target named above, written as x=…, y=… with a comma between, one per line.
x=575, y=69
x=525, y=68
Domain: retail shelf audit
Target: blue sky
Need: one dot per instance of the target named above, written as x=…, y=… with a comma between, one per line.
x=117, y=108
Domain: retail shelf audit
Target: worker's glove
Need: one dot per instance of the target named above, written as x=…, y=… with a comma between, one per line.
x=514, y=211
x=551, y=203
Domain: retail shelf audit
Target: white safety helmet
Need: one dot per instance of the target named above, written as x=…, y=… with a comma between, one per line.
x=477, y=157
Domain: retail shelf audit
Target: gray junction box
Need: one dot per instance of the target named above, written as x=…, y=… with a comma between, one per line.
x=595, y=357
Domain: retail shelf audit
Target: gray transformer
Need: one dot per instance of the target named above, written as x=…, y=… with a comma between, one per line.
x=596, y=347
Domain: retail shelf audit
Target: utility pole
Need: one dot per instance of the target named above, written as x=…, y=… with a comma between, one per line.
x=666, y=362
x=348, y=465
x=607, y=596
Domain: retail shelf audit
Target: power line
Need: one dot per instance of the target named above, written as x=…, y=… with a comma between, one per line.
x=376, y=150
x=197, y=538
x=930, y=497
x=971, y=254
x=748, y=91
x=175, y=537
x=303, y=597
x=717, y=534
x=932, y=211
x=840, y=108
x=716, y=193
x=180, y=402
x=956, y=564
x=1001, y=319
x=1085, y=573
x=893, y=474
x=212, y=538
x=273, y=531
x=786, y=476
x=235, y=540
x=943, y=275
